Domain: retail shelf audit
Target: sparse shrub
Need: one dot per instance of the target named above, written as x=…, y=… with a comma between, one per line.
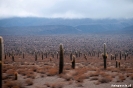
x=57, y=85
x=23, y=72
x=48, y=84
x=80, y=76
x=92, y=74
x=52, y=71
x=121, y=78
x=131, y=76
x=94, y=78
x=12, y=84
x=105, y=79
x=10, y=72
x=116, y=64
x=29, y=82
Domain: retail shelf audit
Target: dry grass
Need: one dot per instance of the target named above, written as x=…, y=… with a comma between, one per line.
x=4, y=77
x=22, y=72
x=48, y=84
x=55, y=85
x=41, y=70
x=68, y=75
x=12, y=84
x=58, y=85
x=131, y=76
x=29, y=82
x=10, y=72
x=129, y=70
x=105, y=79
x=30, y=74
x=94, y=78
x=80, y=74
x=92, y=74
x=67, y=67
x=52, y=71
x=121, y=78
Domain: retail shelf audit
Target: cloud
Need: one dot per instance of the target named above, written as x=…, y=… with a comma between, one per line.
x=96, y=9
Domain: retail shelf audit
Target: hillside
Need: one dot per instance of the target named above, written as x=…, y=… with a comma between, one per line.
x=43, y=26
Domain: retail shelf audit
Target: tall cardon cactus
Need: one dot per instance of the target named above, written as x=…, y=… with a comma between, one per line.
x=1, y=57
x=73, y=62
x=61, y=59
x=105, y=56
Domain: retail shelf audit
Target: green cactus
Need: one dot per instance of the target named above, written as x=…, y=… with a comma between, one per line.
x=16, y=76
x=105, y=56
x=79, y=53
x=61, y=59
x=12, y=57
x=35, y=56
x=85, y=57
x=23, y=56
x=73, y=62
x=125, y=56
x=111, y=57
x=46, y=55
x=42, y=55
x=119, y=64
x=5, y=56
x=1, y=57
x=116, y=64
x=57, y=55
x=71, y=56
x=120, y=55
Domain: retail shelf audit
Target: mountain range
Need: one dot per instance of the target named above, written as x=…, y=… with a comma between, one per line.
x=46, y=26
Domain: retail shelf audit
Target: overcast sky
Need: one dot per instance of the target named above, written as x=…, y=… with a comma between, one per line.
x=96, y=9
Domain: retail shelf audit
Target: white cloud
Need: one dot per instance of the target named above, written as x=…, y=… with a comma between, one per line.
x=67, y=8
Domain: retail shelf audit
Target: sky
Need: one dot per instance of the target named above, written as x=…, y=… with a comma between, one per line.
x=94, y=9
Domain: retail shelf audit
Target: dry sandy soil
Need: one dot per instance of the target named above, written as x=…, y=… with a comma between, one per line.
x=87, y=74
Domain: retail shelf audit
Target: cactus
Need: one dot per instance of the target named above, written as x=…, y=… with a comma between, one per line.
x=120, y=55
x=23, y=56
x=116, y=64
x=98, y=54
x=125, y=56
x=61, y=59
x=104, y=56
x=111, y=57
x=73, y=62
x=57, y=55
x=115, y=56
x=71, y=56
x=119, y=64
x=16, y=76
x=76, y=54
x=1, y=57
x=46, y=55
x=79, y=53
x=85, y=57
x=5, y=56
x=42, y=55
x=35, y=56
x=12, y=57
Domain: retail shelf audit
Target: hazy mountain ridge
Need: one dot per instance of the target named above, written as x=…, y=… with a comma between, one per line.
x=41, y=26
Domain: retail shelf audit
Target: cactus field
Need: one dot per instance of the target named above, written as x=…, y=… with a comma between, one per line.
x=66, y=61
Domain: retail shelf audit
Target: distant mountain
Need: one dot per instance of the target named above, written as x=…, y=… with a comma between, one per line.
x=43, y=26
x=128, y=29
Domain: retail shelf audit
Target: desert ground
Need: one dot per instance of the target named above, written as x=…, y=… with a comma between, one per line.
x=33, y=61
